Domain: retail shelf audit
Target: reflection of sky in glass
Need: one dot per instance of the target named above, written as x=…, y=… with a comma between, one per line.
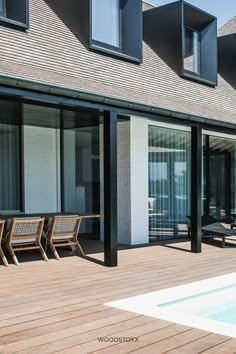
x=106, y=21
x=157, y=171
x=180, y=168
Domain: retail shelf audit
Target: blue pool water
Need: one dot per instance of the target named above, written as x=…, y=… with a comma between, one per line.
x=218, y=305
x=227, y=315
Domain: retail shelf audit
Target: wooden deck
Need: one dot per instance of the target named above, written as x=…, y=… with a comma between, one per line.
x=58, y=307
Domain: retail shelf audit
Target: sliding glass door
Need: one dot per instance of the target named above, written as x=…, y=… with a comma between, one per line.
x=10, y=158
x=10, y=168
x=219, y=179
x=81, y=145
x=169, y=182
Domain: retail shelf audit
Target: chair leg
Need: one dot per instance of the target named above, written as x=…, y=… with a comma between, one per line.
x=43, y=253
x=54, y=250
x=223, y=241
x=12, y=253
x=79, y=248
x=73, y=248
x=2, y=255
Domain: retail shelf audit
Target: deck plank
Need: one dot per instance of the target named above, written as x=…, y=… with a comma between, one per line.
x=173, y=342
x=227, y=347
x=200, y=345
x=45, y=308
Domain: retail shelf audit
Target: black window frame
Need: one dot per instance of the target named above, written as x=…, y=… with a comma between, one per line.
x=10, y=22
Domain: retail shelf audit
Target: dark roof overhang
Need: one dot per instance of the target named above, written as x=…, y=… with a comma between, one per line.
x=56, y=95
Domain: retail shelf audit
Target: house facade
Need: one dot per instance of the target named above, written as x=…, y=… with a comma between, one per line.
x=118, y=108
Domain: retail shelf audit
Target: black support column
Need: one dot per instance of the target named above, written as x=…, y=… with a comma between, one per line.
x=196, y=188
x=207, y=175
x=227, y=188
x=110, y=189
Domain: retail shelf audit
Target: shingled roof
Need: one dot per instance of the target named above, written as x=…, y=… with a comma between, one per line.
x=49, y=53
x=228, y=28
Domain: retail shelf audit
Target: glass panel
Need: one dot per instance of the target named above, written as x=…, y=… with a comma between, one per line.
x=169, y=183
x=2, y=8
x=217, y=185
x=219, y=178
x=81, y=168
x=41, y=144
x=106, y=21
x=9, y=167
x=233, y=181
x=192, y=50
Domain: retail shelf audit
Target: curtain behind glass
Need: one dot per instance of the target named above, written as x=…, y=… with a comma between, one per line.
x=106, y=21
x=9, y=167
x=169, y=182
x=192, y=50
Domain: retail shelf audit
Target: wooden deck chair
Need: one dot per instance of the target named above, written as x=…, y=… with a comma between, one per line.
x=25, y=234
x=62, y=232
x=5, y=262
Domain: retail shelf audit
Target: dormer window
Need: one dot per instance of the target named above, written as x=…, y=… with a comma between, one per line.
x=106, y=22
x=192, y=50
x=116, y=28
x=199, y=45
x=185, y=37
x=14, y=12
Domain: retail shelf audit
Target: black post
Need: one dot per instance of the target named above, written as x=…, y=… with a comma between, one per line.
x=207, y=175
x=227, y=188
x=110, y=189
x=196, y=188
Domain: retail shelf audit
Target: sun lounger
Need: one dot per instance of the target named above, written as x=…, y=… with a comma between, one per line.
x=218, y=230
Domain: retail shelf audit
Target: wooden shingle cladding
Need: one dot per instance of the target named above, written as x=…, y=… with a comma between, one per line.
x=228, y=28
x=51, y=54
x=227, y=51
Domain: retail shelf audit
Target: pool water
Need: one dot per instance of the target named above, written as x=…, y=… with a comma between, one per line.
x=218, y=304
x=227, y=315
x=208, y=304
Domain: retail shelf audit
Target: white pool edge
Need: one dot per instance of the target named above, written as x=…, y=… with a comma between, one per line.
x=147, y=304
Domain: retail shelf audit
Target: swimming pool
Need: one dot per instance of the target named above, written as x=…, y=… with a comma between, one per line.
x=208, y=304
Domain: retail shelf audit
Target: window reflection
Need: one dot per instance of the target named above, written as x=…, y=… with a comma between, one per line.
x=191, y=50
x=169, y=182
x=10, y=167
x=106, y=21
x=219, y=178
x=2, y=8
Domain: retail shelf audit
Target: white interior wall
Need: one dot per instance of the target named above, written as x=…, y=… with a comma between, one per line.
x=69, y=167
x=139, y=180
x=41, y=169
